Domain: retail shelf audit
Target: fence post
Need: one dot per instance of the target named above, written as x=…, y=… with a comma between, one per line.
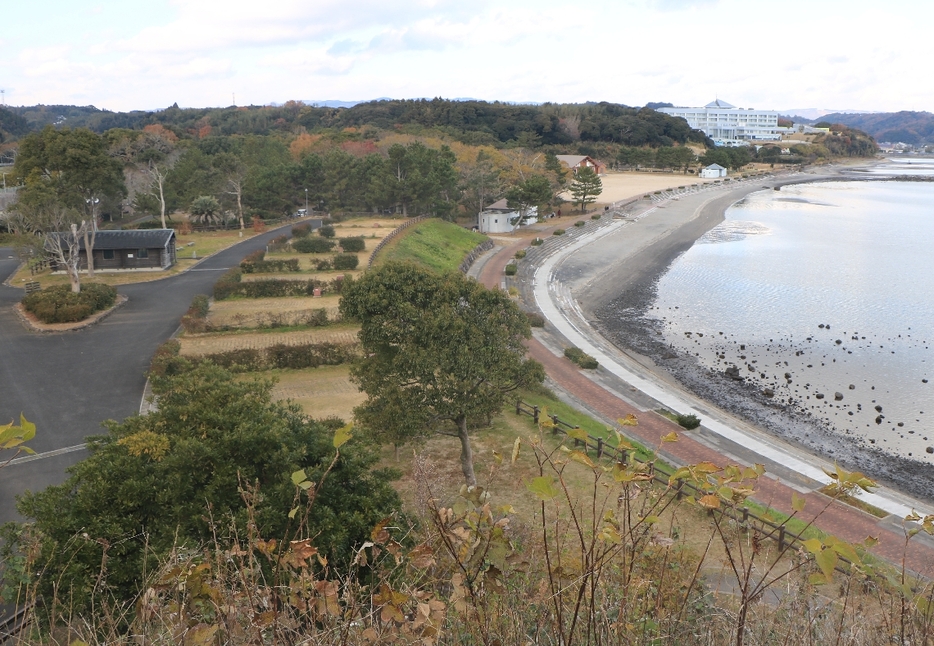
x=781, y=537
x=599, y=447
x=745, y=515
x=623, y=456
x=535, y=414
x=554, y=429
x=518, y=406
x=680, y=485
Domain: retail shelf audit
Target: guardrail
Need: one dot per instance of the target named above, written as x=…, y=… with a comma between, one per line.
x=743, y=515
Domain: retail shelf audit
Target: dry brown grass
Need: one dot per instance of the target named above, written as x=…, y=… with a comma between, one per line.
x=250, y=312
x=321, y=392
x=212, y=343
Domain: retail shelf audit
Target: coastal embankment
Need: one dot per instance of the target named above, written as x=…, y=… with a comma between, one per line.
x=617, y=270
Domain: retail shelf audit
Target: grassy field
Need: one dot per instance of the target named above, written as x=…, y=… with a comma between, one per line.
x=438, y=245
x=321, y=392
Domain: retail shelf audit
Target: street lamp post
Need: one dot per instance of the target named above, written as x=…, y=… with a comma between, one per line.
x=306, y=202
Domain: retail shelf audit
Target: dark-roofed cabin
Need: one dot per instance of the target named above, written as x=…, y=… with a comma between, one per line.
x=145, y=249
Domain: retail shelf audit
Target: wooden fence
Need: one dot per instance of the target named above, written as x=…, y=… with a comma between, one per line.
x=661, y=474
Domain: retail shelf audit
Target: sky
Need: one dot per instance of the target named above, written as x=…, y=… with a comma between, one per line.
x=129, y=54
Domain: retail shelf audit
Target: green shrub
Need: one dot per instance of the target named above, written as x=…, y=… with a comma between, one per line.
x=520, y=254
x=281, y=356
x=688, y=421
x=537, y=242
x=579, y=223
x=195, y=319
x=596, y=216
x=511, y=269
x=352, y=245
x=345, y=261
x=166, y=360
x=558, y=232
x=58, y=304
x=301, y=230
x=581, y=358
x=535, y=319
x=326, y=231
x=227, y=284
x=149, y=224
x=312, y=245
x=320, y=264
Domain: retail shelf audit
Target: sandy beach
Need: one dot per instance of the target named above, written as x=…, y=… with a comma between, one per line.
x=622, y=186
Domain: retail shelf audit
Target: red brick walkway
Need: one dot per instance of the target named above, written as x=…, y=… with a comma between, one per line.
x=837, y=519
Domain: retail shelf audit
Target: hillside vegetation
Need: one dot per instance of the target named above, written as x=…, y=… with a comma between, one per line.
x=908, y=127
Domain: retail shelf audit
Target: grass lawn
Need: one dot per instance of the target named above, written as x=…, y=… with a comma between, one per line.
x=436, y=244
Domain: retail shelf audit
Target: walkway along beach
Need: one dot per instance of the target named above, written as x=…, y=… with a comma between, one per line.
x=567, y=278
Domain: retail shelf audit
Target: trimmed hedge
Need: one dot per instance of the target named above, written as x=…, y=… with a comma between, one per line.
x=511, y=269
x=231, y=284
x=58, y=304
x=558, y=232
x=312, y=245
x=281, y=356
x=301, y=230
x=535, y=319
x=326, y=231
x=581, y=358
x=352, y=245
x=345, y=261
x=537, y=242
x=195, y=320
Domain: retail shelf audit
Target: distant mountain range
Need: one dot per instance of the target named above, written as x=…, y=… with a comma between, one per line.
x=915, y=128
x=814, y=114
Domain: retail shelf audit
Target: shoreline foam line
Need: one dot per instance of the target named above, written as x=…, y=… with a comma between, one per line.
x=556, y=303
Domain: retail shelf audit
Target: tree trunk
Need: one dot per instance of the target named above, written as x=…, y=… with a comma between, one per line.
x=240, y=209
x=162, y=205
x=466, y=453
x=89, y=252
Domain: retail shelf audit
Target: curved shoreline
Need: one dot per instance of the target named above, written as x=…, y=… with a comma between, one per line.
x=576, y=288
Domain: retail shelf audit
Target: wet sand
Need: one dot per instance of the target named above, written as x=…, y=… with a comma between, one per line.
x=614, y=283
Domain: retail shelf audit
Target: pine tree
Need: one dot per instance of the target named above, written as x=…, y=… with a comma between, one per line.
x=585, y=187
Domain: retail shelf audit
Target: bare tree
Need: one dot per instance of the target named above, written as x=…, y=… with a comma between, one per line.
x=235, y=188
x=90, y=234
x=64, y=247
x=157, y=177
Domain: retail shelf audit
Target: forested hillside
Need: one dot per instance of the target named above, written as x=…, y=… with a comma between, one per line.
x=916, y=128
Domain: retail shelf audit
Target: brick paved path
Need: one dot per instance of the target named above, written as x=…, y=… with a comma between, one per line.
x=837, y=519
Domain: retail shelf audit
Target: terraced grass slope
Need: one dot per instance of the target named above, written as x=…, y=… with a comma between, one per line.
x=435, y=244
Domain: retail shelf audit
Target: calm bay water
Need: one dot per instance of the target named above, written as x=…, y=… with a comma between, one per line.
x=822, y=295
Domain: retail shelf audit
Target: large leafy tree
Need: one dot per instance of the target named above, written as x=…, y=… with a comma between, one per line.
x=77, y=165
x=533, y=191
x=175, y=478
x=441, y=353
x=585, y=187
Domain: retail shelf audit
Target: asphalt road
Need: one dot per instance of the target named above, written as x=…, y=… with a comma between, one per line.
x=68, y=383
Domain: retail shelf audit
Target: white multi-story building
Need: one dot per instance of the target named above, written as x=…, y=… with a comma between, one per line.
x=728, y=125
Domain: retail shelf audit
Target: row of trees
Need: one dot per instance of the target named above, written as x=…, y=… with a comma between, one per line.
x=471, y=122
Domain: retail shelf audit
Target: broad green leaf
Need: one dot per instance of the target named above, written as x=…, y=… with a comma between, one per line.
x=583, y=458
x=543, y=487
x=826, y=561
x=298, y=477
x=813, y=545
x=818, y=579
x=293, y=512
x=342, y=435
